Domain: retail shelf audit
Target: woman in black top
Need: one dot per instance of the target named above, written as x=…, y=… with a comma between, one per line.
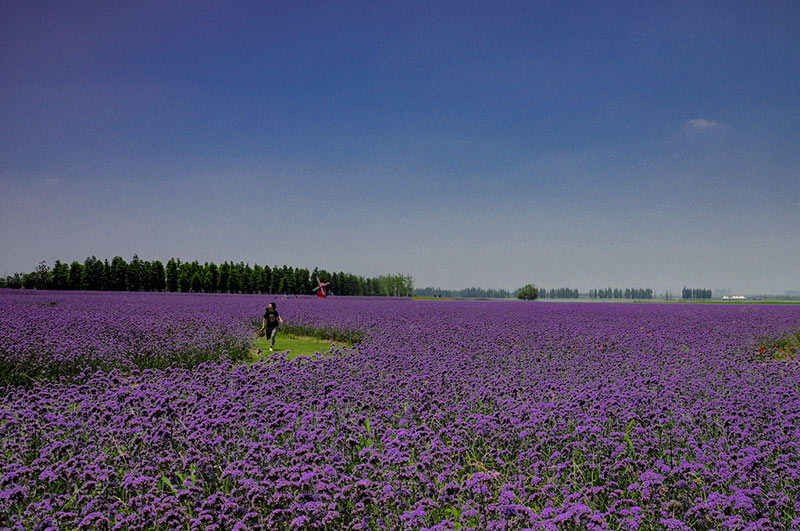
x=270, y=324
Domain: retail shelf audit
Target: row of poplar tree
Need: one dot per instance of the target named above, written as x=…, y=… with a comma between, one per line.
x=607, y=293
x=177, y=276
x=695, y=293
x=558, y=293
x=619, y=293
x=466, y=293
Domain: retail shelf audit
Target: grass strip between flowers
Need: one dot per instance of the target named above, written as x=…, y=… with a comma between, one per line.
x=294, y=346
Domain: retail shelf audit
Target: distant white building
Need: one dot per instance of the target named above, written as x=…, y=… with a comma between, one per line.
x=734, y=298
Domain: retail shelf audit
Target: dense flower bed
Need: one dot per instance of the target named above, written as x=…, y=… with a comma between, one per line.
x=448, y=415
x=52, y=334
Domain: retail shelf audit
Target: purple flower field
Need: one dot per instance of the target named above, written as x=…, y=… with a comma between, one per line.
x=54, y=334
x=447, y=415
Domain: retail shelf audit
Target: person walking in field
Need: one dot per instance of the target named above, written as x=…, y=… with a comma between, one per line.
x=270, y=324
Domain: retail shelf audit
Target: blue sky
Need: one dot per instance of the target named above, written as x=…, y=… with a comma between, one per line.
x=580, y=144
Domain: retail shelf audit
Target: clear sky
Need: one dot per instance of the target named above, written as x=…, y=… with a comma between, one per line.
x=579, y=144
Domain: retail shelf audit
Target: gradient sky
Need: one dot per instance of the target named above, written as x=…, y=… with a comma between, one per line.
x=579, y=144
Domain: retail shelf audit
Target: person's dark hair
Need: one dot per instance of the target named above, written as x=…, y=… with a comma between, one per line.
x=274, y=307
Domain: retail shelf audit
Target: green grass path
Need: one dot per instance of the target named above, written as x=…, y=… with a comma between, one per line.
x=296, y=345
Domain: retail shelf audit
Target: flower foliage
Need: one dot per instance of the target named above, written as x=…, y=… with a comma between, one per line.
x=447, y=415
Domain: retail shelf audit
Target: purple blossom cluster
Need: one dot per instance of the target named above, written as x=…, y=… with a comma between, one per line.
x=53, y=334
x=448, y=415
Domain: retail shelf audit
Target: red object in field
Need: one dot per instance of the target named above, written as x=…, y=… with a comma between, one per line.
x=322, y=289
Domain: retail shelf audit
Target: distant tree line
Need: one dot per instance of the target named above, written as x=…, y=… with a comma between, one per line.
x=192, y=277
x=558, y=293
x=467, y=293
x=695, y=294
x=618, y=293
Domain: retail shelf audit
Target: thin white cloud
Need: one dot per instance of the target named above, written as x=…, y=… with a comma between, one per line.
x=702, y=124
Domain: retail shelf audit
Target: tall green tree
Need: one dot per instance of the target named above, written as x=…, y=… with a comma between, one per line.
x=158, y=276
x=29, y=280
x=172, y=275
x=185, y=278
x=213, y=277
x=75, y=275
x=255, y=279
x=235, y=280
x=197, y=282
x=147, y=275
x=133, y=277
x=14, y=281
x=106, y=275
x=281, y=285
x=41, y=278
x=276, y=282
x=302, y=281
x=92, y=274
x=265, y=280
x=60, y=275
x=119, y=274
x=288, y=280
x=205, y=278
x=248, y=283
x=224, y=277
x=528, y=293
